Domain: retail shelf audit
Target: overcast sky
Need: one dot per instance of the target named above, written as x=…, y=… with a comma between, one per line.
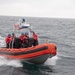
x=38, y=8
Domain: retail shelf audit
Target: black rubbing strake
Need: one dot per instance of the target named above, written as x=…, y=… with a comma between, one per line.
x=26, y=52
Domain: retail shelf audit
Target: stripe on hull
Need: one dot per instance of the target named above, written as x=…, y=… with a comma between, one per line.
x=25, y=52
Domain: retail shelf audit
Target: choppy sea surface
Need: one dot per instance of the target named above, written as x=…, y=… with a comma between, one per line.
x=58, y=31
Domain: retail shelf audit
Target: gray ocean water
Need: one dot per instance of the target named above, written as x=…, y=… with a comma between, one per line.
x=58, y=31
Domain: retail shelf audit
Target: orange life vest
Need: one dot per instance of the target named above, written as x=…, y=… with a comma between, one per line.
x=22, y=38
x=8, y=39
x=35, y=36
x=25, y=38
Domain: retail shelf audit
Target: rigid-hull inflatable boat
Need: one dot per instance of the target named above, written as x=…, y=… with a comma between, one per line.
x=35, y=54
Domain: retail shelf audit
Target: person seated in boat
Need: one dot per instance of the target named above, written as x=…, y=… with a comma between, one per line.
x=13, y=36
x=22, y=39
x=8, y=41
x=35, y=37
x=16, y=41
x=13, y=40
x=26, y=40
x=31, y=40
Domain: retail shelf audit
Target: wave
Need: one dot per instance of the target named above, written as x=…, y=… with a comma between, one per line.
x=67, y=57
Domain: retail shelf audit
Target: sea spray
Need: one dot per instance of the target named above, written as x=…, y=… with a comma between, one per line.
x=51, y=61
x=8, y=62
x=2, y=41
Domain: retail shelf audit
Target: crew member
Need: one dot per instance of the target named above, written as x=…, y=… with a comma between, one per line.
x=35, y=37
x=26, y=40
x=13, y=40
x=22, y=39
x=8, y=41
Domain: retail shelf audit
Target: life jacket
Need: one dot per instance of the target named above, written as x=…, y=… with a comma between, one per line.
x=8, y=40
x=22, y=38
x=35, y=36
x=26, y=39
x=12, y=38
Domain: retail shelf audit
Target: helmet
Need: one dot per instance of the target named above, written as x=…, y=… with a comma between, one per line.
x=22, y=33
x=9, y=34
x=13, y=34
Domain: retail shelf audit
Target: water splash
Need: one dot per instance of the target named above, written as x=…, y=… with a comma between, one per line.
x=8, y=62
x=2, y=41
x=51, y=61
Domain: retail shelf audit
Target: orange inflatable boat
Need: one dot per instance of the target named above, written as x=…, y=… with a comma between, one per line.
x=35, y=54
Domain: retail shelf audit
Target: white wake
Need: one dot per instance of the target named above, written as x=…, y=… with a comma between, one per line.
x=2, y=41
x=51, y=61
x=8, y=62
